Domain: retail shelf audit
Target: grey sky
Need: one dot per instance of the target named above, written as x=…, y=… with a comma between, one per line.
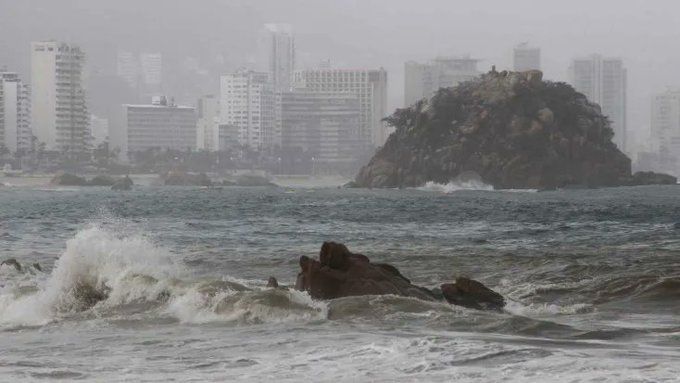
x=221, y=34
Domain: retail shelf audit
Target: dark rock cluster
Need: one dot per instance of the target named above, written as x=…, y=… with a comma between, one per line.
x=340, y=273
x=512, y=128
x=68, y=179
x=175, y=178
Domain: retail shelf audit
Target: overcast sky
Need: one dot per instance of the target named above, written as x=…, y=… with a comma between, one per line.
x=364, y=33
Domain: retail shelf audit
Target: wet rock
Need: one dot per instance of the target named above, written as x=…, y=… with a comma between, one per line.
x=68, y=179
x=12, y=263
x=175, y=178
x=341, y=273
x=37, y=266
x=102, y=180
x=472, y=294
x=652, y=178
x=252, y=180
x=272, y=282
x=124, y=183
x=86, y=296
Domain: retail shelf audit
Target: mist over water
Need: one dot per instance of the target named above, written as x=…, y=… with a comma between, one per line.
x=169, y=283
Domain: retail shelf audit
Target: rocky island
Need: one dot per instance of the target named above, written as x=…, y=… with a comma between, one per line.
x=513, y=129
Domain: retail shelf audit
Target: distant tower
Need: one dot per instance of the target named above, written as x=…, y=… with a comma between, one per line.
x=604, y=81
x=280, y=46
x=127, y=68
x=369, y=85
x=526, y=58
x=60, y=117
x=666, y=123
x=423, y=80
x=15, y=113
x=249, y=104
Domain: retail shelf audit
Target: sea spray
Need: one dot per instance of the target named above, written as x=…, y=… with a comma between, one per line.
x=246, y=307
x=455, y=186
x=101, y=270
x=96, y=266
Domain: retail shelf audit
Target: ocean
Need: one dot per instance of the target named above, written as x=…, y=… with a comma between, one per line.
x=592, y=279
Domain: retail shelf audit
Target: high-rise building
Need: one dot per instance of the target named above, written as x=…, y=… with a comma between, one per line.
x=160, y=125
x=127, y=68
x=151, y=66
x=15, y=115
x=665, y=132
x=603, y=81
x=526, y=58
x=99, y=127
x=280, y=47
x=143, y=72
x=59, y=111
x=423, y=80
x=322, y=125
x=207, y=127
x=249, y=103
x=369, y=85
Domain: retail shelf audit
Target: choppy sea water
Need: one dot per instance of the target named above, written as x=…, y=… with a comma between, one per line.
x=592, y=278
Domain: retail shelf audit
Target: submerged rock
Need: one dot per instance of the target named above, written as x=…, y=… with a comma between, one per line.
x=472, y=294
x=512, y=128
x=175, y=178
x=340, y=273
x=102, y=180
x=124, y=183
x=252, y=180
x=651, y=178
x=68, y=179
x=86, y=295
x=272, y=282
x=12, y=263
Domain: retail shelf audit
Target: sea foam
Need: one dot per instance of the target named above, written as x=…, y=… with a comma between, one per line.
x=100, y=270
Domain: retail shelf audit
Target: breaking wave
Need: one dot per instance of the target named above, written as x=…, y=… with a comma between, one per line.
x=100, y=271
x=455, y=186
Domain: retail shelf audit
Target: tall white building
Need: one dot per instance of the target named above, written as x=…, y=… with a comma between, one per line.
x=59, y=111
x=249, y=103
x=604, y=82
x=279, y=44
x=526, y=58
x=423, y=80
x=15, y=115
x=369, y=85
x=207, y=127
x=160, y=125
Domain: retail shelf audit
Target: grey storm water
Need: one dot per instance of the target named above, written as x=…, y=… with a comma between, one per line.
x=503, y=174
x=591, y=277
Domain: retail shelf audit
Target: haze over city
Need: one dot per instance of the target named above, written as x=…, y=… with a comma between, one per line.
x=221, y=36
x=339, y=191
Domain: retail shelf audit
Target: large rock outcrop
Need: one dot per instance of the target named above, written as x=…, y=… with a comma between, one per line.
x=512, y=128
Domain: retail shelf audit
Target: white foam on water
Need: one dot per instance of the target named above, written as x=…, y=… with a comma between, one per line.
x=246, y=307
x=455, y=186
x=102, y=270
x=126, y=269
x=543, y=309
